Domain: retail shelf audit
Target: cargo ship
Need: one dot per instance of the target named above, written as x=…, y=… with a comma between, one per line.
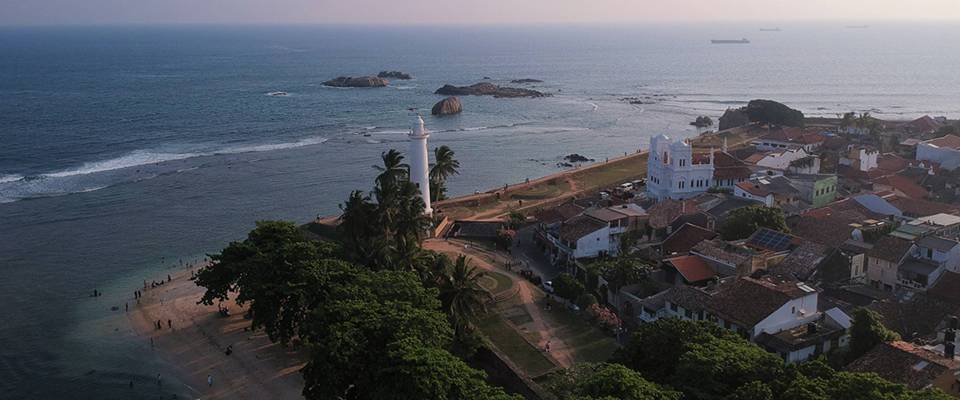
x=730, y=41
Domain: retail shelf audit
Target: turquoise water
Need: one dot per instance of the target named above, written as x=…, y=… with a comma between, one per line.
x=124, y=148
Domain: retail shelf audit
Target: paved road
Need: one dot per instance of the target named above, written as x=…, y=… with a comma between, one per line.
x=524, y=249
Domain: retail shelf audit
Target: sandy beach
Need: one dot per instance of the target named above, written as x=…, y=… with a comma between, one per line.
x=198, y=338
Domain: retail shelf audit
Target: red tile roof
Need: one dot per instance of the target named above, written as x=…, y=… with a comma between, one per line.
x=693, y=268
x=726, y=166
x=904, y=185
x=685, y=238
x=902, y=362
x=949, y=141
x=924, y=124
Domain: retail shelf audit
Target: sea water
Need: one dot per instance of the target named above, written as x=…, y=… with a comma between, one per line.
x=123, y=149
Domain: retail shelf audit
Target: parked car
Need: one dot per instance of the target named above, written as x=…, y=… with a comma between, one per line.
x=626, y=187
x=548, y=286
x=604, y=195
x=639, y=182
x=530, y=276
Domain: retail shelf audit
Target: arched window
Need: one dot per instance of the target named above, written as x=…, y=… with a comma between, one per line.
x=666, y=158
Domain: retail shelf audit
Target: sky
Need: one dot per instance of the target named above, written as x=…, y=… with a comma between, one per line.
x=472, y=12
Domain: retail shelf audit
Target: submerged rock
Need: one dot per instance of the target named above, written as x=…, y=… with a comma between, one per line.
x=488, y=89
x=360, y=81
x=526, y=80
x=447, y=106
x=394, y=75
x=577, y=158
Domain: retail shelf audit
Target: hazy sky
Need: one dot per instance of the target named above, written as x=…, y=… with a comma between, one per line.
x=29, y=12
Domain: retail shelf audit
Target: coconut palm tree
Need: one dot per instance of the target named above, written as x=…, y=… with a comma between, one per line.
x=445, y=167
x=461, y=295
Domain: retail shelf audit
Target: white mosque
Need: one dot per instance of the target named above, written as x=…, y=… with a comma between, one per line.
x=419, y=161
x=673, y=172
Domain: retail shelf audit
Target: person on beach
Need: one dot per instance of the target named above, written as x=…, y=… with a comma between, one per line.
x=126, y=307
x=209, y=380
x=168, y=278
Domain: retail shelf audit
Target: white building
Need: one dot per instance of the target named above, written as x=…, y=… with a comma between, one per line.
x=860, y=158
x=780, y=315
x=944, y=150
x=419, y=163
x=673, y=171
x=782, y=159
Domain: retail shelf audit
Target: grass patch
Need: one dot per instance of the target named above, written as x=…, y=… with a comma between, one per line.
x=528, y=358
x=543, y=191
x=500, y=282
x=589, y=343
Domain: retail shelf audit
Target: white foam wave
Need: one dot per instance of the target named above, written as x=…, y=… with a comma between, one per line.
x=10, y=178
x=144, y=157
x=594, y=105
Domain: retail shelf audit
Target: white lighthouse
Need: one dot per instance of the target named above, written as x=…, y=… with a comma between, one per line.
x=419, y=162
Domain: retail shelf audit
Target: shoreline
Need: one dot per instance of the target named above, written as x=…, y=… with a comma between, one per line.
x=195, y=341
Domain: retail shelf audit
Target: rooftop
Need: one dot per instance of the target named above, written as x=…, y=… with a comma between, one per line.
x=748, y=301
x=902, y=362
x=685, y=238
x=948, y=141
x=890, y=249
x=577, y=227
x=919, y=267
x=723, y=252
x=938, y=219
x=692, y=268
x=947, y=288
x=937, y=243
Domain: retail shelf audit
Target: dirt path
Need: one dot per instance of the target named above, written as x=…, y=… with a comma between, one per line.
x=527, y=292
x=197, y=336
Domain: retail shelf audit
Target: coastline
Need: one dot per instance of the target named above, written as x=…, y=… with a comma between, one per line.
x=195, y=345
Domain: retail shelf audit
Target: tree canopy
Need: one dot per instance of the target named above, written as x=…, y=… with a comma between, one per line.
x=866, y=332
x=602, y=381
x=743, y=222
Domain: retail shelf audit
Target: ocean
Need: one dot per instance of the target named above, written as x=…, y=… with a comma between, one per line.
x=126, y=149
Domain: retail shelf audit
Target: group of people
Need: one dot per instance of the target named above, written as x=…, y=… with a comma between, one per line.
x=159, y=324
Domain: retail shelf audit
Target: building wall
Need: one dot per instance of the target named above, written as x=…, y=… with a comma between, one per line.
x=881, y=273
x=591, y=245
x=792, y=314
x=824, y=192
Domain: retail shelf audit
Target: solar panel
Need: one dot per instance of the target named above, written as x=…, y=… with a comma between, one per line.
x=771, y=240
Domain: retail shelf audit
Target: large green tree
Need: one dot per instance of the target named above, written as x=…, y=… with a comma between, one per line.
x=866, y=332
x=272, y=270
x=568, y=287
x=717, y=367
x=743, y=222
x=603, y=381
x=655, y=348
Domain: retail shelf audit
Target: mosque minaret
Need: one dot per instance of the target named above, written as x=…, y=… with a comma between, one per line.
x=419, y=161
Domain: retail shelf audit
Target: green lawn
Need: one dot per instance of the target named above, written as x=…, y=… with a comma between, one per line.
x=588, y=342
x=495, y=282
x=527, y=357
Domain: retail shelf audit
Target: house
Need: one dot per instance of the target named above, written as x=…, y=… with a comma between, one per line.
x=729, y=170
x=688, y=270
x=789, y=138
x=674, y=172
x=779, y=160
x=620, y=219
x=774, y=191
x=767, y=310
x=860, y=158
x=923, y=126
x=911, y=365
x=730, y=259
x=685, y=238
x=939, y=250
x=884, y=259
x=900, y=185
x=947, y=225
x=943, y=150
x=817, y=190
x=581, y=237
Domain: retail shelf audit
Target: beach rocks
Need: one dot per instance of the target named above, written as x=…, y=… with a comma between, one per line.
x=577, y=158
x=360, y=81
x=488, y=89
x=447, y=106
x=394, y=75
x=733, y=118
x=526, y=80
x=702, y=122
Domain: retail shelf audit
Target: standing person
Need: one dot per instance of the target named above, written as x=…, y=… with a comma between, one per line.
x=159, y=380
x=209, y=380
x=126, y=307
x=170, y=323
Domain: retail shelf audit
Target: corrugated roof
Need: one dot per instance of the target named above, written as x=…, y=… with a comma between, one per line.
x=937, y=243
x=693, y=268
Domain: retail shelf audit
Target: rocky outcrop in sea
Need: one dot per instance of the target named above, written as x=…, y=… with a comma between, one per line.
x=526, y=80
x=733, y=118
x=488, y=89
x=359, y=81
x=447, y=106
x=394, y=75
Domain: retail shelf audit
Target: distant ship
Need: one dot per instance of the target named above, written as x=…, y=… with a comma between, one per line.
x=858, y=26
x=769, y=29
x=729, y=41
